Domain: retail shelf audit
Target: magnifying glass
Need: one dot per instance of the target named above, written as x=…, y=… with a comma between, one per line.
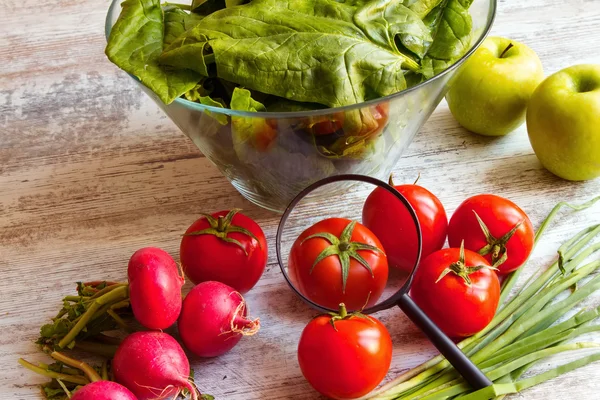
x=335, y=254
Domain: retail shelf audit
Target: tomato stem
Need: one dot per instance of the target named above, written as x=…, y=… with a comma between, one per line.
x=221, y=224
x=342, y=314
x=417, y=180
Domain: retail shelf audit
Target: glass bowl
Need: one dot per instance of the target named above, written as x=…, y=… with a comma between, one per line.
x=290, y=150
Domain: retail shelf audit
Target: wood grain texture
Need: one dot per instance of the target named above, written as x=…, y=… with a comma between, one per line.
x=91, y=170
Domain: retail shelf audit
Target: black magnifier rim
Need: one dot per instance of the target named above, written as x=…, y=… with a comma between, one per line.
x=392, y=300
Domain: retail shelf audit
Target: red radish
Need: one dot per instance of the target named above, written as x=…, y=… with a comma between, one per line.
x=213, y=319
x=154, y=288
x=153, y=366
x=103, y=390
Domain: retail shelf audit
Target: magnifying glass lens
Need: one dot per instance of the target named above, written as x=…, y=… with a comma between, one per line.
x=347, y=242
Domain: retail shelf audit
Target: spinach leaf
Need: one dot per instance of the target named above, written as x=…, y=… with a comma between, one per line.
x=452, y=40
x=203, y=93
x=421, y=7
x=206, y=7
x=385, y=20
x=433, y=19
x=278, y=104
x=135, y=43
x=243, y=101
x=177, y=22
x=294, y=49
x=354, y=3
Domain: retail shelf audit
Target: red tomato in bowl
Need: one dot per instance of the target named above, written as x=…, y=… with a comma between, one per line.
x=226, y=247
x=326, y=124
x=345, y=360
x=505, y=235
x=339, y=261
x=391, y=222
x=374, y=119
x=459, y=292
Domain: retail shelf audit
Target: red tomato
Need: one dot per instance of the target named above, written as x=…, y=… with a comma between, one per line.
x=322, y=280
x=326, y=124
x=459, y=293
x=259, y=133
x=500, y=216
x=266, y=135
x=374, y=120
x=346, y=361
x=380, y=115
x=226, y=247
x=387, y=218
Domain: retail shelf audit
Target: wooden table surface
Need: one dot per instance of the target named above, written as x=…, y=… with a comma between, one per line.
x=91, y=170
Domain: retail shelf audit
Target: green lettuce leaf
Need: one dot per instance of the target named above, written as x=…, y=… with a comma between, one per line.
x=136, y=42
x=304, y=50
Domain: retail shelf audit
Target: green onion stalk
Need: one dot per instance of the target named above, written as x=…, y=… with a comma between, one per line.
x=524, y=330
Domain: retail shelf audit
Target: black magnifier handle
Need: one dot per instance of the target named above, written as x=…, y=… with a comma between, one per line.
x=453, y=354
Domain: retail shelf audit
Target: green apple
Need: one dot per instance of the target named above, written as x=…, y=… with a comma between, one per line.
x=563, y=122
x=490, y=94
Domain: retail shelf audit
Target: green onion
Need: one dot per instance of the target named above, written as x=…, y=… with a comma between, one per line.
x=502, y=389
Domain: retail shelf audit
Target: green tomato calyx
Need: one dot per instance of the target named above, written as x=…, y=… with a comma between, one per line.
x=344, y=249
x=222, y=226
x=460, y=269
x=342, y=314
x=496, y=246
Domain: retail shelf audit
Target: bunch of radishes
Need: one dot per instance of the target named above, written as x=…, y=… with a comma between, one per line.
x=225, y=247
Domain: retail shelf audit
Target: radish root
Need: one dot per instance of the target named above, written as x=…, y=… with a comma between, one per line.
x=189, y=385
x=242, y=324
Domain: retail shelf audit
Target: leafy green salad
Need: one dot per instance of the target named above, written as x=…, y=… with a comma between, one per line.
x=287, y=55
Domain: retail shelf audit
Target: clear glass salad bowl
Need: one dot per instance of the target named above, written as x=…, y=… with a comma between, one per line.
x=290, y=150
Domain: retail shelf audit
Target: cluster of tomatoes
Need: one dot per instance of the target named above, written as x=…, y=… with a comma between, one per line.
x=337, y=260
x=343, y=264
